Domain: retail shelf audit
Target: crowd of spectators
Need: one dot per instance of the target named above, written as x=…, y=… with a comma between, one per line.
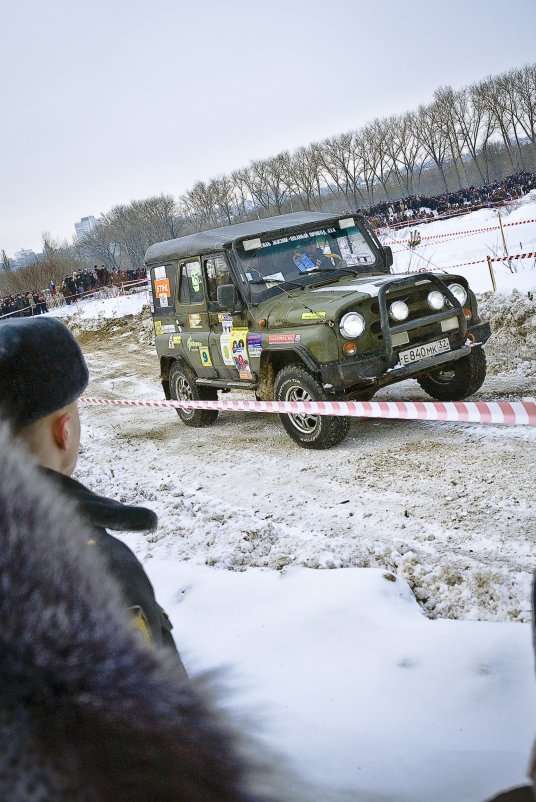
x=73, y=287
x=24, y=304
x=425, y=207
x=78, y=283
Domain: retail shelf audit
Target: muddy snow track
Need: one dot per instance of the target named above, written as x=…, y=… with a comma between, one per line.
x=449, y=507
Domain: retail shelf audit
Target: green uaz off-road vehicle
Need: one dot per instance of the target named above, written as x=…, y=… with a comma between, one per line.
x=304, y=307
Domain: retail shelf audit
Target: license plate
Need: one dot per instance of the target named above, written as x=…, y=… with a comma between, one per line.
x=423, y=351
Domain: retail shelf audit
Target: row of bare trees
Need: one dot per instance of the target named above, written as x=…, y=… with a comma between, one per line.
x=474, y=135
x=469, y=136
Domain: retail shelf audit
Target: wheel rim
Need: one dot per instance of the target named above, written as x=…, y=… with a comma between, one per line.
x=305, y=423
x=183, y=391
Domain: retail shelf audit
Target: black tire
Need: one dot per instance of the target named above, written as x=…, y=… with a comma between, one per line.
x=457, y=380
x=182, y=387
x=294, y=383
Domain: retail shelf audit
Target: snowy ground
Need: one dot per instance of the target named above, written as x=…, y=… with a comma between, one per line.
x=406, y=674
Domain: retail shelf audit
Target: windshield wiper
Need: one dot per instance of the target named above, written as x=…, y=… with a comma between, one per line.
x=275, y=281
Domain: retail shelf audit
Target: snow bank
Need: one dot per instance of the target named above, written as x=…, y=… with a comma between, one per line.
x=90, y=315
x=341, y=671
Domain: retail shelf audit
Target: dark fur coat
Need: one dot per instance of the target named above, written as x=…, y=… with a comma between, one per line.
x=87, y=711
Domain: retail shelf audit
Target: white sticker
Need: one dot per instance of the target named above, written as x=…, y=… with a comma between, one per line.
x=227, y=354
x=163, y=299
x=160, y=272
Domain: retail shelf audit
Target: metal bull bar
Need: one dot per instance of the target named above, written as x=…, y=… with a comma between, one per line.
x=388, y=330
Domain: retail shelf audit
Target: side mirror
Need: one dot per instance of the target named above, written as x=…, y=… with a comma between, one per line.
x=227, y=296
x=388, y=255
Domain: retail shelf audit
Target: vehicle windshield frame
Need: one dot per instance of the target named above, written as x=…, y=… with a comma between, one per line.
x=291, y=239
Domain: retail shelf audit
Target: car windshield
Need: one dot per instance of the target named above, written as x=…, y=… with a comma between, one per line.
x=298, y=259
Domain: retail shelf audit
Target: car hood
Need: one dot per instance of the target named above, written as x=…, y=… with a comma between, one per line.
x=319, y=304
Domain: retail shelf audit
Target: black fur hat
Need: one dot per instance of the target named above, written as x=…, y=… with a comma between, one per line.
x=42, y=369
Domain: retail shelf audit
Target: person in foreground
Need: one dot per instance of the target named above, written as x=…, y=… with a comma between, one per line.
x=42, y=374
x=90, y=712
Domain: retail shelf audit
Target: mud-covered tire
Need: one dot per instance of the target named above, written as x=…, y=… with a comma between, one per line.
x=458, y=380
x=294, y=383
x=182, y=387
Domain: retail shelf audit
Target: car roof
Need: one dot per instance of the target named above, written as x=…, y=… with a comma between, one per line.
x=205, y=242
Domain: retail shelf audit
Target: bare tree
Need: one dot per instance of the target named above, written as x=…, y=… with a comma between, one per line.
x=99, y=245
x=240, y=179
x=340, y=161
x=367, y=156
x=377, y=134
x=255, y=179
x=431, y=137
x=278, y=181
x=6, y=262
x=405, y=150
x=473, y=124
x=305, y=168
x=493, y=97
x=522, y=90
x=222, y=190
x=445, y=104
x=199, y=205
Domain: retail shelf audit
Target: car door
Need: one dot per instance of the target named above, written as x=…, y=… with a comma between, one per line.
x=228, y=330
x=192, y=319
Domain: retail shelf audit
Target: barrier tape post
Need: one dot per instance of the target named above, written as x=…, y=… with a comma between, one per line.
x=492, y=274
x=512, y=413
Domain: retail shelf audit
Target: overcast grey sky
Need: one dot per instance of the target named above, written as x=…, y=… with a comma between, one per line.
x=108, y=101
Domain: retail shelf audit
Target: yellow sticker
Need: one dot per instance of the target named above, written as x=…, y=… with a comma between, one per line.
x=205, y=357
x=238, y=339
x=194, y=321
x=177, y=339
x=158, y=327
x=313, y=316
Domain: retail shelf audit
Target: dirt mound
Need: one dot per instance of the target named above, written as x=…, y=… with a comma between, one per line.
x=90, y=331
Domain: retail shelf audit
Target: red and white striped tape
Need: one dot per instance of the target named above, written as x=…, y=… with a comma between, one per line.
x=515, y=256
x=514, y=413
x=429, y=269
x=459, y=234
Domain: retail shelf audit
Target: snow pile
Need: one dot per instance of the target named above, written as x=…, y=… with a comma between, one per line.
x=341, y=671
x=91, y=313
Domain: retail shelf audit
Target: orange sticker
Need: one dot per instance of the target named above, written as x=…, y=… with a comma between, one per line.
x=162, y=287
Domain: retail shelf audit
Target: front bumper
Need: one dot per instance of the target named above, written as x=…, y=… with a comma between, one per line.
x=374, y=371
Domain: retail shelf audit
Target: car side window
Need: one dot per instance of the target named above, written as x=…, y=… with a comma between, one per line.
x=190, y=283
x=163, y=286
x=217, y=272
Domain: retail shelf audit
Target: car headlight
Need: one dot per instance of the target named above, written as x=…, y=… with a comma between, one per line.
x=399, y=310
x=459, y=293
x=352, y=325
x=436, y=300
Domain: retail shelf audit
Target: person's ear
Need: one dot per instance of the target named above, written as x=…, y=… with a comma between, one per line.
x=61, y=431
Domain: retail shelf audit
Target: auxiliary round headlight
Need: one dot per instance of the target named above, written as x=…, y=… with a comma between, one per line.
x=459, y=293
x=436, y=300
x=399, y=310
x=352, y=325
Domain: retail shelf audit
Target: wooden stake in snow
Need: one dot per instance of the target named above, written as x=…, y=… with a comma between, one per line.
x=492, y=274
